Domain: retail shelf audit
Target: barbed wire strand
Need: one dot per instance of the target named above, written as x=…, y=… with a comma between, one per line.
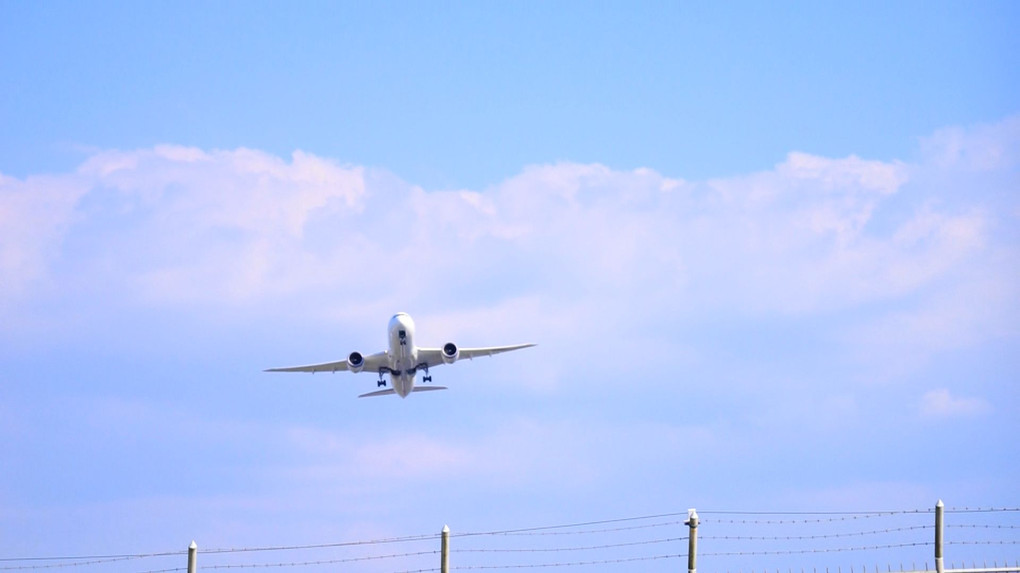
x=823, y=550
x=1009, y=542
x=563, y=549
x=820, y=536
x=979, y=526
x=842, y=516
x=65, y=565
x=983, y=509
x=587, y=531
x=96, y=559
x=407, y=539
x=571, y=564
x=844, y=513
x=185, y=569
x=308, y=563
x=965, y=509
x=565, y=525
x=803, y=521
x=117, y=557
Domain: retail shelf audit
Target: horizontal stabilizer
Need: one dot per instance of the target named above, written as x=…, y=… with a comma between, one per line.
x=379, y=393
x=388, y=392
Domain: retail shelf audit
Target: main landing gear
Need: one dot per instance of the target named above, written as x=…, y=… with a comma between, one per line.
x=426, y=378
x=381, y=382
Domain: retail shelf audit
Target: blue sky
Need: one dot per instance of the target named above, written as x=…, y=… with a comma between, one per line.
x=451, y=95
x=768, y=254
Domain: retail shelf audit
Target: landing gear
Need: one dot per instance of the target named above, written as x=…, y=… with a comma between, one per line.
x=381, y=382
x=426, y=378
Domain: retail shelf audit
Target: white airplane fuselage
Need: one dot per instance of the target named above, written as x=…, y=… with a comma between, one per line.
x=403, y=355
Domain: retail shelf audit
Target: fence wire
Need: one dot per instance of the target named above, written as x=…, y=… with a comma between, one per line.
x=728, y=541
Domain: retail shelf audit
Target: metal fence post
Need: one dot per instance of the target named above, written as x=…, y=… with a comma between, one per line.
x=444, y=564
x=692, y=541
x=192, y=557
x=939, y=567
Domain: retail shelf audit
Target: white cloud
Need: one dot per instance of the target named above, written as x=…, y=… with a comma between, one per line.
x=841, y=174
x=516, y=454
x=178, y=223
x=571, y=246
x=941, y=403
x=979, y=148
x=980, y=306
x=34, y=216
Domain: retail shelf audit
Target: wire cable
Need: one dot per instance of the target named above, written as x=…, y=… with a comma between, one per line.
x=826, y=550
x=407, y=539
x=118, y=557
x=307, y=563
x=874, y=513
x=570, y=564
x=563, y=549
x=62, y=565
x=820, y=536
x=982, y=509
x=847, y=517
x=565, y=525
x=588, y=531
x=977, y=526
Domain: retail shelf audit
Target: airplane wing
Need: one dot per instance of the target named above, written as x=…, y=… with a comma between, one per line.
x=372, y=364
x=434, y=356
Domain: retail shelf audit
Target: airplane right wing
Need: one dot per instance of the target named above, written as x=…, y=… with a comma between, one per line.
x=434, y=356
x=372, y=364
x=470, y=353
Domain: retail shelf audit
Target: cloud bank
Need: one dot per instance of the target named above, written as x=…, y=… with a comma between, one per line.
x=174, y=227
x=942, y=404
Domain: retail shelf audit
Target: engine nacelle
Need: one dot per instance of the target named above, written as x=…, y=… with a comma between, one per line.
x=450, y=353
x=355, y=362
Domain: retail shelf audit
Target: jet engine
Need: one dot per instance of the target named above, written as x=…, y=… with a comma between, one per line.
x=450, y=353
x=355, y=362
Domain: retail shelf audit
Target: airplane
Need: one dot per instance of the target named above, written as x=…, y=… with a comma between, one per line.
x=402, y=361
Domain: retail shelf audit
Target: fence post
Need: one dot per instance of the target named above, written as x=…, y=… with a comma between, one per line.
x=692, y=541
x=192, y=557
x=444, y=564
x=939, y=567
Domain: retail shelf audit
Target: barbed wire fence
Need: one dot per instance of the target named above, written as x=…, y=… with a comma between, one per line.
x=971, y=540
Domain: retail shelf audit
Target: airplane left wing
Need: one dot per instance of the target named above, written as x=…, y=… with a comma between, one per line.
x=434, y=356
x=325, y=367
x=372, y=364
